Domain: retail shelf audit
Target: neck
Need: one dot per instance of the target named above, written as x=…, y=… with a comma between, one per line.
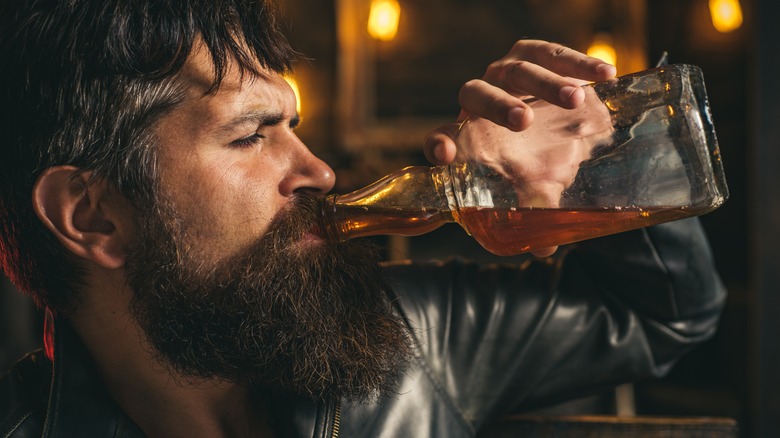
x=160, y=401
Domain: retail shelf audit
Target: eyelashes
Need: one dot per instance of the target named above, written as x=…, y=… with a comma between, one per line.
x=247, y=142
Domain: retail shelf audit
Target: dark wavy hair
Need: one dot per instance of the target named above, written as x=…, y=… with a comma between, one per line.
x=82, y=83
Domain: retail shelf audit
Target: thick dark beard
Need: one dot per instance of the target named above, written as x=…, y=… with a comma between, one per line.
x=312, y=320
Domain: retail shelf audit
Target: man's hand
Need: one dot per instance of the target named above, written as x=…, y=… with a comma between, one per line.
x=531, y=68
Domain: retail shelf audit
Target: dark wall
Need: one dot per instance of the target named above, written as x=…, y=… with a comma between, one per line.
x=713, y=379
x=764, y=208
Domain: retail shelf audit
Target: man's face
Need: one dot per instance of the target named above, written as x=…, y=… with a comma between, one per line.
x=228, y=281
x=230, y=161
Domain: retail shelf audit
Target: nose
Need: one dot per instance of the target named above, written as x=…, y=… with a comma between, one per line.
x=307, y=173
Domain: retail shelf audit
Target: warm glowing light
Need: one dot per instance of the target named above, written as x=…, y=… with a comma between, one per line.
x=726, y=15
x=294, y=85
x=383, y=19
x=602, y=48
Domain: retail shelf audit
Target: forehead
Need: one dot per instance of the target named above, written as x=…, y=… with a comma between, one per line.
x=198, y=76
x=206, y=116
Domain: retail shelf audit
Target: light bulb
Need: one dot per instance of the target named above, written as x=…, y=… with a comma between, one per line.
x=726, y=15
x=383, y=19
x=602, y=48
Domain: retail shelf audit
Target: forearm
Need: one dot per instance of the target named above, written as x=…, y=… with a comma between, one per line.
x=667, y=274
x=632, y=304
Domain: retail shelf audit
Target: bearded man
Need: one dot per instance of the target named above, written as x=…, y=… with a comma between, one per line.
x=158, y=205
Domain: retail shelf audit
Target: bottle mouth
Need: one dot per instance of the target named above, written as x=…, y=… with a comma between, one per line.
x=329, y=227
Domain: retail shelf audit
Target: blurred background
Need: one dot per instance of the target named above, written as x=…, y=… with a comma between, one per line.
x=379, y=74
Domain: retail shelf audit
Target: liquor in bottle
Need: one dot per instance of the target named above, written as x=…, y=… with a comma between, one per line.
x=640, y=151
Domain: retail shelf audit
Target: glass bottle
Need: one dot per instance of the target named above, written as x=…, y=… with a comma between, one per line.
x=640, y=151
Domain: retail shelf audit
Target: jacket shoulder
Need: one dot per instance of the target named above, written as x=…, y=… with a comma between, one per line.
x=23, y=397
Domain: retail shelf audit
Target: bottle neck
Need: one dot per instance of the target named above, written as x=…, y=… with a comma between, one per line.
x=408, y=202
x=446, y=183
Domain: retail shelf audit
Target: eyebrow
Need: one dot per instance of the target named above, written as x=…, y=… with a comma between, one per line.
x=261, y=118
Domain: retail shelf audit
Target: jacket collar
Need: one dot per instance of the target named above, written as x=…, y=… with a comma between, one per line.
x=79, y=404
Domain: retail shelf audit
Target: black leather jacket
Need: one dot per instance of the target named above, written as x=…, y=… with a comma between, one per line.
x=488, y=339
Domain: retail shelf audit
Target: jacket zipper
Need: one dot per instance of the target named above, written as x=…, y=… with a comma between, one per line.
x=336, y=420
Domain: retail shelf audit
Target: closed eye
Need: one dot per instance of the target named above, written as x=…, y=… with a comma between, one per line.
x=247, y=142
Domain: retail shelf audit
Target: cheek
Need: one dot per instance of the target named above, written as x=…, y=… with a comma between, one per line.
x=225, y=209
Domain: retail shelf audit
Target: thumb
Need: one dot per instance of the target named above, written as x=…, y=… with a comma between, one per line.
x=440, y=147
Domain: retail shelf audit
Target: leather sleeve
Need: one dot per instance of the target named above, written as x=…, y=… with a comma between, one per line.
x=23, y=394
x=604, y=312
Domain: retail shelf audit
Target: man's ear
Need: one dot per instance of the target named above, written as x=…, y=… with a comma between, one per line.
x=87, y=218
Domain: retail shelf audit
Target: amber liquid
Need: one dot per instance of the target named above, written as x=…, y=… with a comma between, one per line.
x=361, y=221
x=508, y=232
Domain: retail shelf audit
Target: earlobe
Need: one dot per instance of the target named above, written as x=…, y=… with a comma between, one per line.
x=79, y=213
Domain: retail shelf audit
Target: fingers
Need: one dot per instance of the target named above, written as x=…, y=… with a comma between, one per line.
x=526, y=78
x=495, y=104
x=560, y=59
x=531, y=68
x=544, y=252
x=547, y=70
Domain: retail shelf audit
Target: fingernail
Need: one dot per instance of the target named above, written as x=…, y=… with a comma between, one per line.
x=566, y=93
x=515, y=118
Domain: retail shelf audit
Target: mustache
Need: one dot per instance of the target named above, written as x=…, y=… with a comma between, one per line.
x=300, y=217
